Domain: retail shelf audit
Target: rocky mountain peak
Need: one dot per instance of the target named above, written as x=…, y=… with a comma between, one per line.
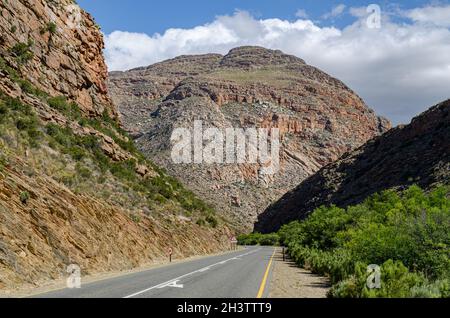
x=248, y=57
x=318, y=116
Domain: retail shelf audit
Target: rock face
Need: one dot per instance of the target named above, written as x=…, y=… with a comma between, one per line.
x=418, y=153
x=66, y=51
x=57, y=227
x=73, y=188
x=318, y=116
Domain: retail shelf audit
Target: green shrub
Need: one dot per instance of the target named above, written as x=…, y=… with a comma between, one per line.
x=3, y=162
x=71, y=110
x=49, y=27
x=408, y=233
x=201, y=222
x=24, y=197
x=259, y=239
x=135, y=218
x=3, y=112
x=212, y=220
x=396, y=282
x=269, y=240
x=83, y=172
x=22, y=52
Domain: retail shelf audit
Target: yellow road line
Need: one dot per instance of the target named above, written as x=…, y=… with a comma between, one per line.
x=264, y=281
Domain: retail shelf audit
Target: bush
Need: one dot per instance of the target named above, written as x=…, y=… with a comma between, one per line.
x=49, y=27
x=70, y=110
x=201, y=222
x=408, y=233
x=24, y=197
x=212, y=220
x=3, y=162
x=396, y=282
x=83, y=172
x=22, y=52
x=269, y=240
x=258, y=239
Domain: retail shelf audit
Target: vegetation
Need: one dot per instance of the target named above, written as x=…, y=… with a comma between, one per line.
x=24, y=197
x=49, y=27
x=3, y=162
x=84, y=149
x=259, y=239
x=22, y=52
x=407, y=234
x=24, y=84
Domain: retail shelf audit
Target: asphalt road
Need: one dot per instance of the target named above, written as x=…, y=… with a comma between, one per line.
x=241, y=274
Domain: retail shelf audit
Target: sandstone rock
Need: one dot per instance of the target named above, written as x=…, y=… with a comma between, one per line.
x=55, y=227
x=72, y=65
x=418, y=153
x=318, y=116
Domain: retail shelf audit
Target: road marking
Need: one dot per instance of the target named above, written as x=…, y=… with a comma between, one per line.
x=175, y=280
x=266, y=274
x=173, y=284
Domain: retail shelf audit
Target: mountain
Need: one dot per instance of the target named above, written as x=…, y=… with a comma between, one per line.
x=73, y=187
x=418, y=153
x=318, y=116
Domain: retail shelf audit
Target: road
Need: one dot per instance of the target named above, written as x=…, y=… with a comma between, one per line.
x=242, y=274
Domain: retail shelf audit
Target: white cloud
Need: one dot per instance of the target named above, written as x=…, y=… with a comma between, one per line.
x=400, y=69
x=358, y=12
x=335, y=12
x=435, y=15
x=302, y=14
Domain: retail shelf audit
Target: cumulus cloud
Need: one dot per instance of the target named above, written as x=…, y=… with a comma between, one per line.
x=400, y=69
x=335, y=12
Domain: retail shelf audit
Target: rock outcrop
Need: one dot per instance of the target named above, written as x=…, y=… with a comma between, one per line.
x=318, y=116
x=73, y=187
x=418, y=153
x=58, y=47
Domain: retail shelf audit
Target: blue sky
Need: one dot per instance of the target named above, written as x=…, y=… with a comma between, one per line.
x=400, y=68
x=156, y=16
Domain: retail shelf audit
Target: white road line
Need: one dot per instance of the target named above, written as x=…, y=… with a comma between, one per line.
x=175, y=280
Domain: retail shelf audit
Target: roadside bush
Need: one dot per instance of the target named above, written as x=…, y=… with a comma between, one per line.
x=258, y=239
x=269, y=240
x=407, y=233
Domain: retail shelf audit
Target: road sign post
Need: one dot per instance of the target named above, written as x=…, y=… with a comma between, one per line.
x=170, y=252
x=233, y=242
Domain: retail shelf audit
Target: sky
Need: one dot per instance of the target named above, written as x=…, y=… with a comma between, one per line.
x=394, y=54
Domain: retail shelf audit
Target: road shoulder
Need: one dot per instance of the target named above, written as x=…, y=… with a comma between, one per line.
x=60, y=284
x=291, y=281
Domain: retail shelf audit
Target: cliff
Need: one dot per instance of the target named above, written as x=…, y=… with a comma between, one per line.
x=418, y=153
x=73, y=187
